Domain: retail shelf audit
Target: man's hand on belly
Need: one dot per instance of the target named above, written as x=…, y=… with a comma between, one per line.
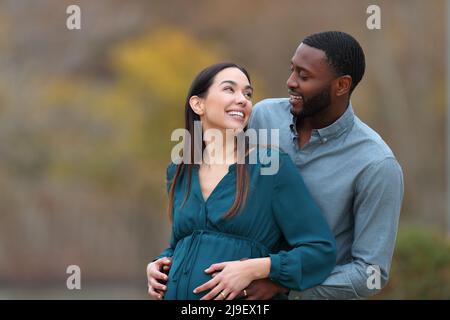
x=157, y=272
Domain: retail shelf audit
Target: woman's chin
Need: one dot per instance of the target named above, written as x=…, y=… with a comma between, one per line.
x=235, y=125
x=236, y=129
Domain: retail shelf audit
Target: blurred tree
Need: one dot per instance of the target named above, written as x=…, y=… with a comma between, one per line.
x=153, y=75
x=123, y=122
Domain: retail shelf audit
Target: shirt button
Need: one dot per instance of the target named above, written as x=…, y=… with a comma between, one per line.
x=324, y=140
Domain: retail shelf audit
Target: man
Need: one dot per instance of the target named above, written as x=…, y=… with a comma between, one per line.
x=349, y=170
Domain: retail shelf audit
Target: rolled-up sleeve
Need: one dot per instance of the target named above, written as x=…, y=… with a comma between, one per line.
x=313, y=253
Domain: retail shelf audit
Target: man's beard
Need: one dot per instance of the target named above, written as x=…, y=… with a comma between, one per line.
x=315, y=104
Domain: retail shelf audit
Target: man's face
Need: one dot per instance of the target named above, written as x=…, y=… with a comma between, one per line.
x=310, y=82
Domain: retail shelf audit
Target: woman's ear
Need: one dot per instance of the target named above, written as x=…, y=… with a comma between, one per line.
x=197, y=105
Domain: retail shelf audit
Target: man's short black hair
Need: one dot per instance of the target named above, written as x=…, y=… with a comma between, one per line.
x=343, y=53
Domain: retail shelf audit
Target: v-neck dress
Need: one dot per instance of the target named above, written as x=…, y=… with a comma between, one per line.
x=280, y=220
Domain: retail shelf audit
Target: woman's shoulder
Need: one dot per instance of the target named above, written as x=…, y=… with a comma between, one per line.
x=170, y=170
x=269, y=160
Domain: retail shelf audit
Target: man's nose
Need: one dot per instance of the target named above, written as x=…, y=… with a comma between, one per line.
x=291, y=83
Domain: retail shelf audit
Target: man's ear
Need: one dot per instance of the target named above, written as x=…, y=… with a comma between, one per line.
x=343, y=84
x=196, y=104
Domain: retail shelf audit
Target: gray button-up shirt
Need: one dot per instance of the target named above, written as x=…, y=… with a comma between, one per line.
x=357, y=182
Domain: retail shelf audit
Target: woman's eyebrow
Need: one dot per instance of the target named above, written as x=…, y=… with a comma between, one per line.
x=235, y=84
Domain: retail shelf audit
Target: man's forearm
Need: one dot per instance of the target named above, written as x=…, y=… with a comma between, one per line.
x=348, y=281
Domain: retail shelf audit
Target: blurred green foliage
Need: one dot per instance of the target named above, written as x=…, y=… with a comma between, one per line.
x=117, y=130
x=124, y=123
x=420, y=267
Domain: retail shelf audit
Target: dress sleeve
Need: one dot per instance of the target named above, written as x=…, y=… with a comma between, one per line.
x=313, y=253
x=168, y=252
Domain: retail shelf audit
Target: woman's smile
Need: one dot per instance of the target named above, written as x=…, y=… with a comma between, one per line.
x=237, y=115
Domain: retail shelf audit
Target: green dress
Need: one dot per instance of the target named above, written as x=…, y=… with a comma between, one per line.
x=280, y=220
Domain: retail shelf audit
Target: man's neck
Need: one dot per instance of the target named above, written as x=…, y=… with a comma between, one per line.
x=318, y=121
x=304, y=131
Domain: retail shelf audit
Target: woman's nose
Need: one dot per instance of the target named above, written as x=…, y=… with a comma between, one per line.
x=241, y=99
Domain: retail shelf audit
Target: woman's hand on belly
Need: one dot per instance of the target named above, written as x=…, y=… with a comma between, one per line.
x=232, y=277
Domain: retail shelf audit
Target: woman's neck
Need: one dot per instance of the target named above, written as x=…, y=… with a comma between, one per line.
x=220, y=150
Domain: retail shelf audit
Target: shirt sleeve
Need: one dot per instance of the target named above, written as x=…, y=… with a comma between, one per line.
x=254, y=122
x=259, y=118
x=376, y=207
x=313, y=253
x=168, y=252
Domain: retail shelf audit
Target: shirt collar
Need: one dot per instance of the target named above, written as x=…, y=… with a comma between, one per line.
x=344, y=122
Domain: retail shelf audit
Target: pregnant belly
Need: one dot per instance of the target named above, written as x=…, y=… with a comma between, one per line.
x=197, y=252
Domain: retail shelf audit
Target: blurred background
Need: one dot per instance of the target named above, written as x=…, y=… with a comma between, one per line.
x=86, y=117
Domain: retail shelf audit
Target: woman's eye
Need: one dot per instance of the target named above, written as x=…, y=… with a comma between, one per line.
x=249, y=95
x=230, y=89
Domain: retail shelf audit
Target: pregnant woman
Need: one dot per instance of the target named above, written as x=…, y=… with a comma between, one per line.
x=230, y=222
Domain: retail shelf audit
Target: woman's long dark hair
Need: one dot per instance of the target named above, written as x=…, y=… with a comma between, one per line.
x=200, y=87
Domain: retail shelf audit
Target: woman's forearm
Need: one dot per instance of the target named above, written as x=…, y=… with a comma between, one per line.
x=259, y=268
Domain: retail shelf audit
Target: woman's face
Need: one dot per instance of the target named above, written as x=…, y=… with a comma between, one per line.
x=227, y=104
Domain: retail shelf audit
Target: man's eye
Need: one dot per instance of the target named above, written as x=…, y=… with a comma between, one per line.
x=303, y=77
x=249, y=95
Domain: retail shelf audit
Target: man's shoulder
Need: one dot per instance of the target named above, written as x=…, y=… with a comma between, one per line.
x=268, y=105
x=270, y=113
x=375, y=149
